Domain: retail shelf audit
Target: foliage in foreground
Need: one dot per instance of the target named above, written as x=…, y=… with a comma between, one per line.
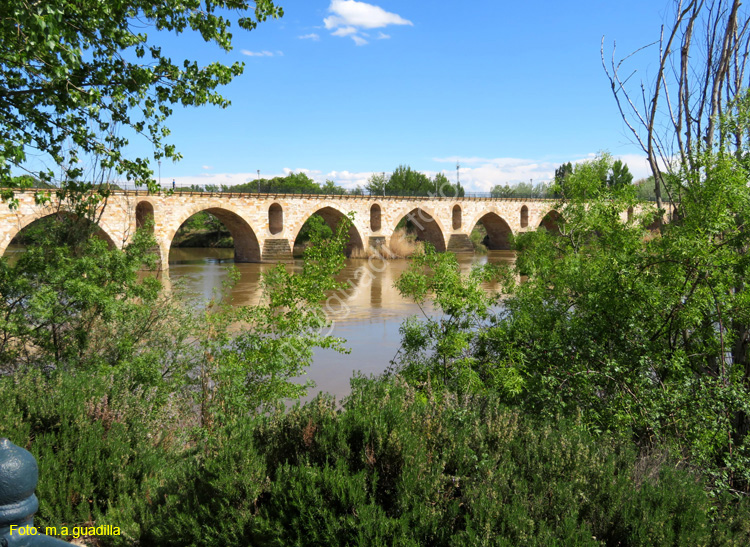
x=395, y=466
x=630, y=330
x=81, y=78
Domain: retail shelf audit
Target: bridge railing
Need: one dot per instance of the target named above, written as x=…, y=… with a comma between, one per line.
x=268, y=190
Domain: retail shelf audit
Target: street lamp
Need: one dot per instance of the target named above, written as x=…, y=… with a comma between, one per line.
x=159, y=162
x=259, y=181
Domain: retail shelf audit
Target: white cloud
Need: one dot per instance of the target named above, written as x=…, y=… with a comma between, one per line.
x=476, y=174
x=263, y=53
x=383, y=36
x=637, y=165
x=361, y=14
x=350, y=17
x=344, y=31
x=481, y=174
x=347, y=179
x=312, y=36
x=206, y=167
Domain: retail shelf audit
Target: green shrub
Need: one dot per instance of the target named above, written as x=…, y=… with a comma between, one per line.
x=96, y=440
x=394, y=466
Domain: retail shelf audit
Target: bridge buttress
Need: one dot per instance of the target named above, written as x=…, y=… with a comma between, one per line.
x=276, y=250
x=460, y=243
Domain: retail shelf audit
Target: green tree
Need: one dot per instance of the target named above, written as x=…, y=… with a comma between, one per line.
x=622, y=329
x=331, y=188
x=562, y=174
x=502, y=191
x=441, y=348
x=619, y=175
x=522, y=189
x=629, y=329
x=66, y=291
x=376, y=184
x=254, y=368
x=645, y=188
x=405, y=181
x=78, y=79
x=443, y=187
x=293, y=183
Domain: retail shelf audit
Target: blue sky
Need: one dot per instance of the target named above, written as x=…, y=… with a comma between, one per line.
x=340, y=89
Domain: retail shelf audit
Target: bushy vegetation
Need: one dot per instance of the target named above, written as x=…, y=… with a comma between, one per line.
x=395, y=465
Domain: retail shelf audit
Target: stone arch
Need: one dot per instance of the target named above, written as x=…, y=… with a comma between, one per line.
x=275, y=218
x=524, y=217
x=498, y=231
x=426, y=227
x=375, y=217
x=457, y=217
x=551, y=222
x=246, y=246
x=332, y=217
x=26, y=221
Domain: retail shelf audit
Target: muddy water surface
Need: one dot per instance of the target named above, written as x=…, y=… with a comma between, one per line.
x=367, y=315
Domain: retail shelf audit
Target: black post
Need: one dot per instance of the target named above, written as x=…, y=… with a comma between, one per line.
x=19, y=475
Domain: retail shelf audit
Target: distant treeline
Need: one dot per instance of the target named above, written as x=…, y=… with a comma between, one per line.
x=403, y=181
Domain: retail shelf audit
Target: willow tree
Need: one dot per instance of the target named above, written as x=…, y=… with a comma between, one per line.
x=79, y=78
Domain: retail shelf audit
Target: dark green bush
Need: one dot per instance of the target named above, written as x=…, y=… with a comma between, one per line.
x=393, y=466
x=96, y=440
x=398, y=467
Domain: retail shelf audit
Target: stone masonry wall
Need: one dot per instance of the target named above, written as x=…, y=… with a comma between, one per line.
x=247, y=217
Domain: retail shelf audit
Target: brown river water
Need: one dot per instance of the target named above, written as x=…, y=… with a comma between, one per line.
x=367, y=315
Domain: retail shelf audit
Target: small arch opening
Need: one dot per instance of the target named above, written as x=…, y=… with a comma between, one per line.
x=456, y=217
x=375, y=218
x=630, y=213
x=524, y=217
x=144, y=215
x=275, y=219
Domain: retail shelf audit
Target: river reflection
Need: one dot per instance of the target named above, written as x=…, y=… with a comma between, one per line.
x=367, y=315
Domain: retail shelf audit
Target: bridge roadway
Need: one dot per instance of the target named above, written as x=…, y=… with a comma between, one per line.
x=265, y=226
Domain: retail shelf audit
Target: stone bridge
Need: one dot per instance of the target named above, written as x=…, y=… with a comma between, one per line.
x=265, y=226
